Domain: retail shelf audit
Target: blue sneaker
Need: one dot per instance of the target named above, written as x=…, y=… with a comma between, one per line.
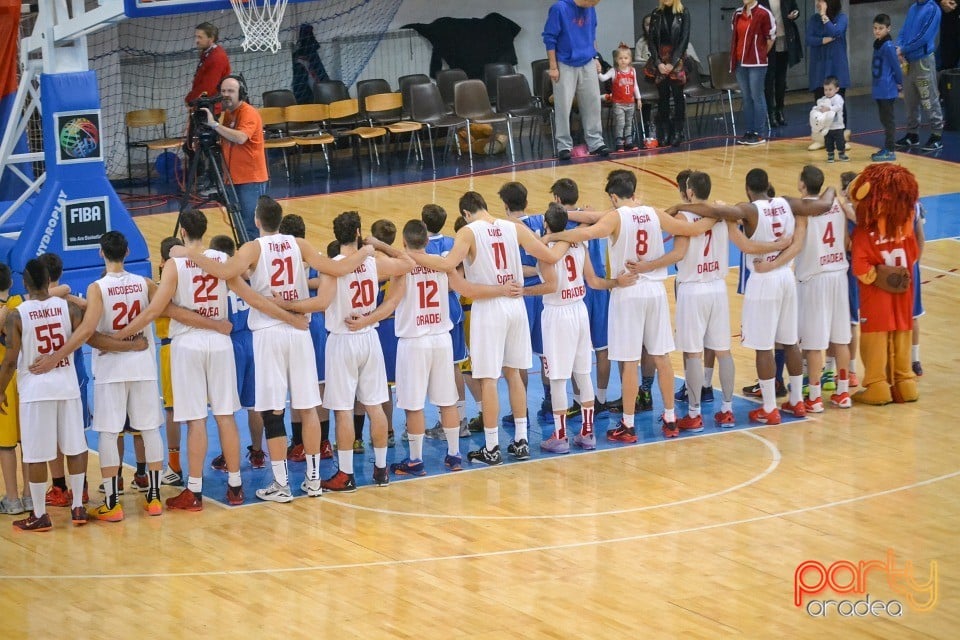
x=883, y=156
x=706, y=394
x=453, y=463
x=829, y=381
x=681, y=394
x=408, y=467
x=508, y=422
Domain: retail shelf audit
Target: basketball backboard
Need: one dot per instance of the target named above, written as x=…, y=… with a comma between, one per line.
x=147, y=8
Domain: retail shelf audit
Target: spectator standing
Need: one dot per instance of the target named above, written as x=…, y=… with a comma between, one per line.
x=915, y=47
x=669, y=38
x=949, y=35
x=827, y=50
x=214, y=65
x=887, y=84
x=569, y=35
x=753, y=31
x=787, y=52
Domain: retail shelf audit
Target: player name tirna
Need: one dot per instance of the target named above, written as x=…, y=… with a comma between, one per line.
x=278, y=246
x=573, y=293
x=125, y=289
x=41, y=314
x=832, y=258
x=428, y=318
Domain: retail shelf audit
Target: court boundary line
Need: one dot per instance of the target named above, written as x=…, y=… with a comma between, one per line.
x=501, y=553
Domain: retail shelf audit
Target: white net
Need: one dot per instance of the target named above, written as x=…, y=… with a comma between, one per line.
x=260, y=23
x=150, y=62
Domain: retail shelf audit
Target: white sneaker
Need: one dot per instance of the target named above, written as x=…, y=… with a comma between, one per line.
x=171, y=478
x=11, y=506
x=464, y=428
x=435, y=433
x=311, y=488
x=27, y=504
x=274, y=492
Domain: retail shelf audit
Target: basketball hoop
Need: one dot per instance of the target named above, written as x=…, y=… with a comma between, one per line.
x=260, y=21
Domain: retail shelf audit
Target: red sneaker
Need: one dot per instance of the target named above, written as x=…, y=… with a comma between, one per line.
x=814, y=405
x=257, y=457
x=78, y=516
x=761, y=416
x=141, y=483
x=33, y=523
x=86, y=492
x=340, y=481
x=234, y=496
x=724, y=419
x=854, y=381
x=296, y=453
x=693, y=424
x=186, y=501
x=799, y=409
x=622, y=433
x=326, y=450
x=841, y=400
x=57, y=497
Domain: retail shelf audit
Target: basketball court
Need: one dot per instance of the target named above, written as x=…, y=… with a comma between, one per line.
x=710, y=535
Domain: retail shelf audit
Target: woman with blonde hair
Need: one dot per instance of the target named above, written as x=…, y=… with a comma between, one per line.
x=668, y=39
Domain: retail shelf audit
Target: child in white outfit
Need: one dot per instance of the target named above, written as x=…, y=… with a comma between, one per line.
x=826, y=120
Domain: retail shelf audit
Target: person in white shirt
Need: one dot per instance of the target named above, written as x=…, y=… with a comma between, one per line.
x=489, y=249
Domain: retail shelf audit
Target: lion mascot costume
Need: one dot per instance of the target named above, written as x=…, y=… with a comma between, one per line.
x=884, y=250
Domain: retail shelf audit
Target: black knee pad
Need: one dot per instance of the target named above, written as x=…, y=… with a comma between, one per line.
x=273, y=424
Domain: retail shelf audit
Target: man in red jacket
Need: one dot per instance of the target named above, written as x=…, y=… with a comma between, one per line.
x=214, y=65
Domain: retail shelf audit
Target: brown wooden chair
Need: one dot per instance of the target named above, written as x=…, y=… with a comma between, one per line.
x=274, y=120
x=155, y=119
x=305, y=122
x=384, y=110
x=347, y=111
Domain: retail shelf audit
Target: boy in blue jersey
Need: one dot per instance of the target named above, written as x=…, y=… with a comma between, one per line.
x=242, y=338
x=566, y=192
x=435, y=217
x=514, y=198
x=386, y=232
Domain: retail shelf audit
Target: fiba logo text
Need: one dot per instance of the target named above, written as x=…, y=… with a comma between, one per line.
x=814, y=582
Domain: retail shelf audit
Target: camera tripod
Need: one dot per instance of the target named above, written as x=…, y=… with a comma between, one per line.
x=226, y=193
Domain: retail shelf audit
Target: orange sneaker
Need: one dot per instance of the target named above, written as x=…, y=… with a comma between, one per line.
x=799, y=409
x=724, y=419
x=854, y=381
x=153, y=507
x=622, y=433
x=78, y=516
x=691, y=424
x=841, y=400
x=186, y=501
x=761, y=416
x=107, y=515
x=57, y=497
x=813, y=406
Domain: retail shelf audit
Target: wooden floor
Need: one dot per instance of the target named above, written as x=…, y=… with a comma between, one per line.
x=697, y=538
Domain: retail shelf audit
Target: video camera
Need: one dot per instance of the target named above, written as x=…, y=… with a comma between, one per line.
x=201, y=129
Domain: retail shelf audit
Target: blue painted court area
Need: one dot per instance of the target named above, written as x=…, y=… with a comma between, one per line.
x=647, y=425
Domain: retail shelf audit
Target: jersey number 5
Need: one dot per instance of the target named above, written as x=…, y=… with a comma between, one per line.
x=49, y=337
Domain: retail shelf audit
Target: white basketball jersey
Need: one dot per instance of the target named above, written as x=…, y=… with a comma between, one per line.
x=774, y=219
x=708, y=255
x=570, y=287
x=823, y=248
x=45, y=328
x=124, y=298
x=199, y=291
x=640, y=239
x=497, y=258
x=356, y=296
x=424, y=309
x=279, y=272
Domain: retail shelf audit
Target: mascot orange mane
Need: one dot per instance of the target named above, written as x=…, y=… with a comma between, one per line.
x=883, y=254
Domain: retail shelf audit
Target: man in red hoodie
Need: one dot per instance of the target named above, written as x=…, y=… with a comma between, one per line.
x=753, y=34
x=214, y=65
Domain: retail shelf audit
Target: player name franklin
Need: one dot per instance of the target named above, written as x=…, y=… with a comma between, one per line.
x=40, y=314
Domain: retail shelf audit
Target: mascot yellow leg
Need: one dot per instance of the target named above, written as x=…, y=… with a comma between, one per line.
x=876, y=385
x=904, y=380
